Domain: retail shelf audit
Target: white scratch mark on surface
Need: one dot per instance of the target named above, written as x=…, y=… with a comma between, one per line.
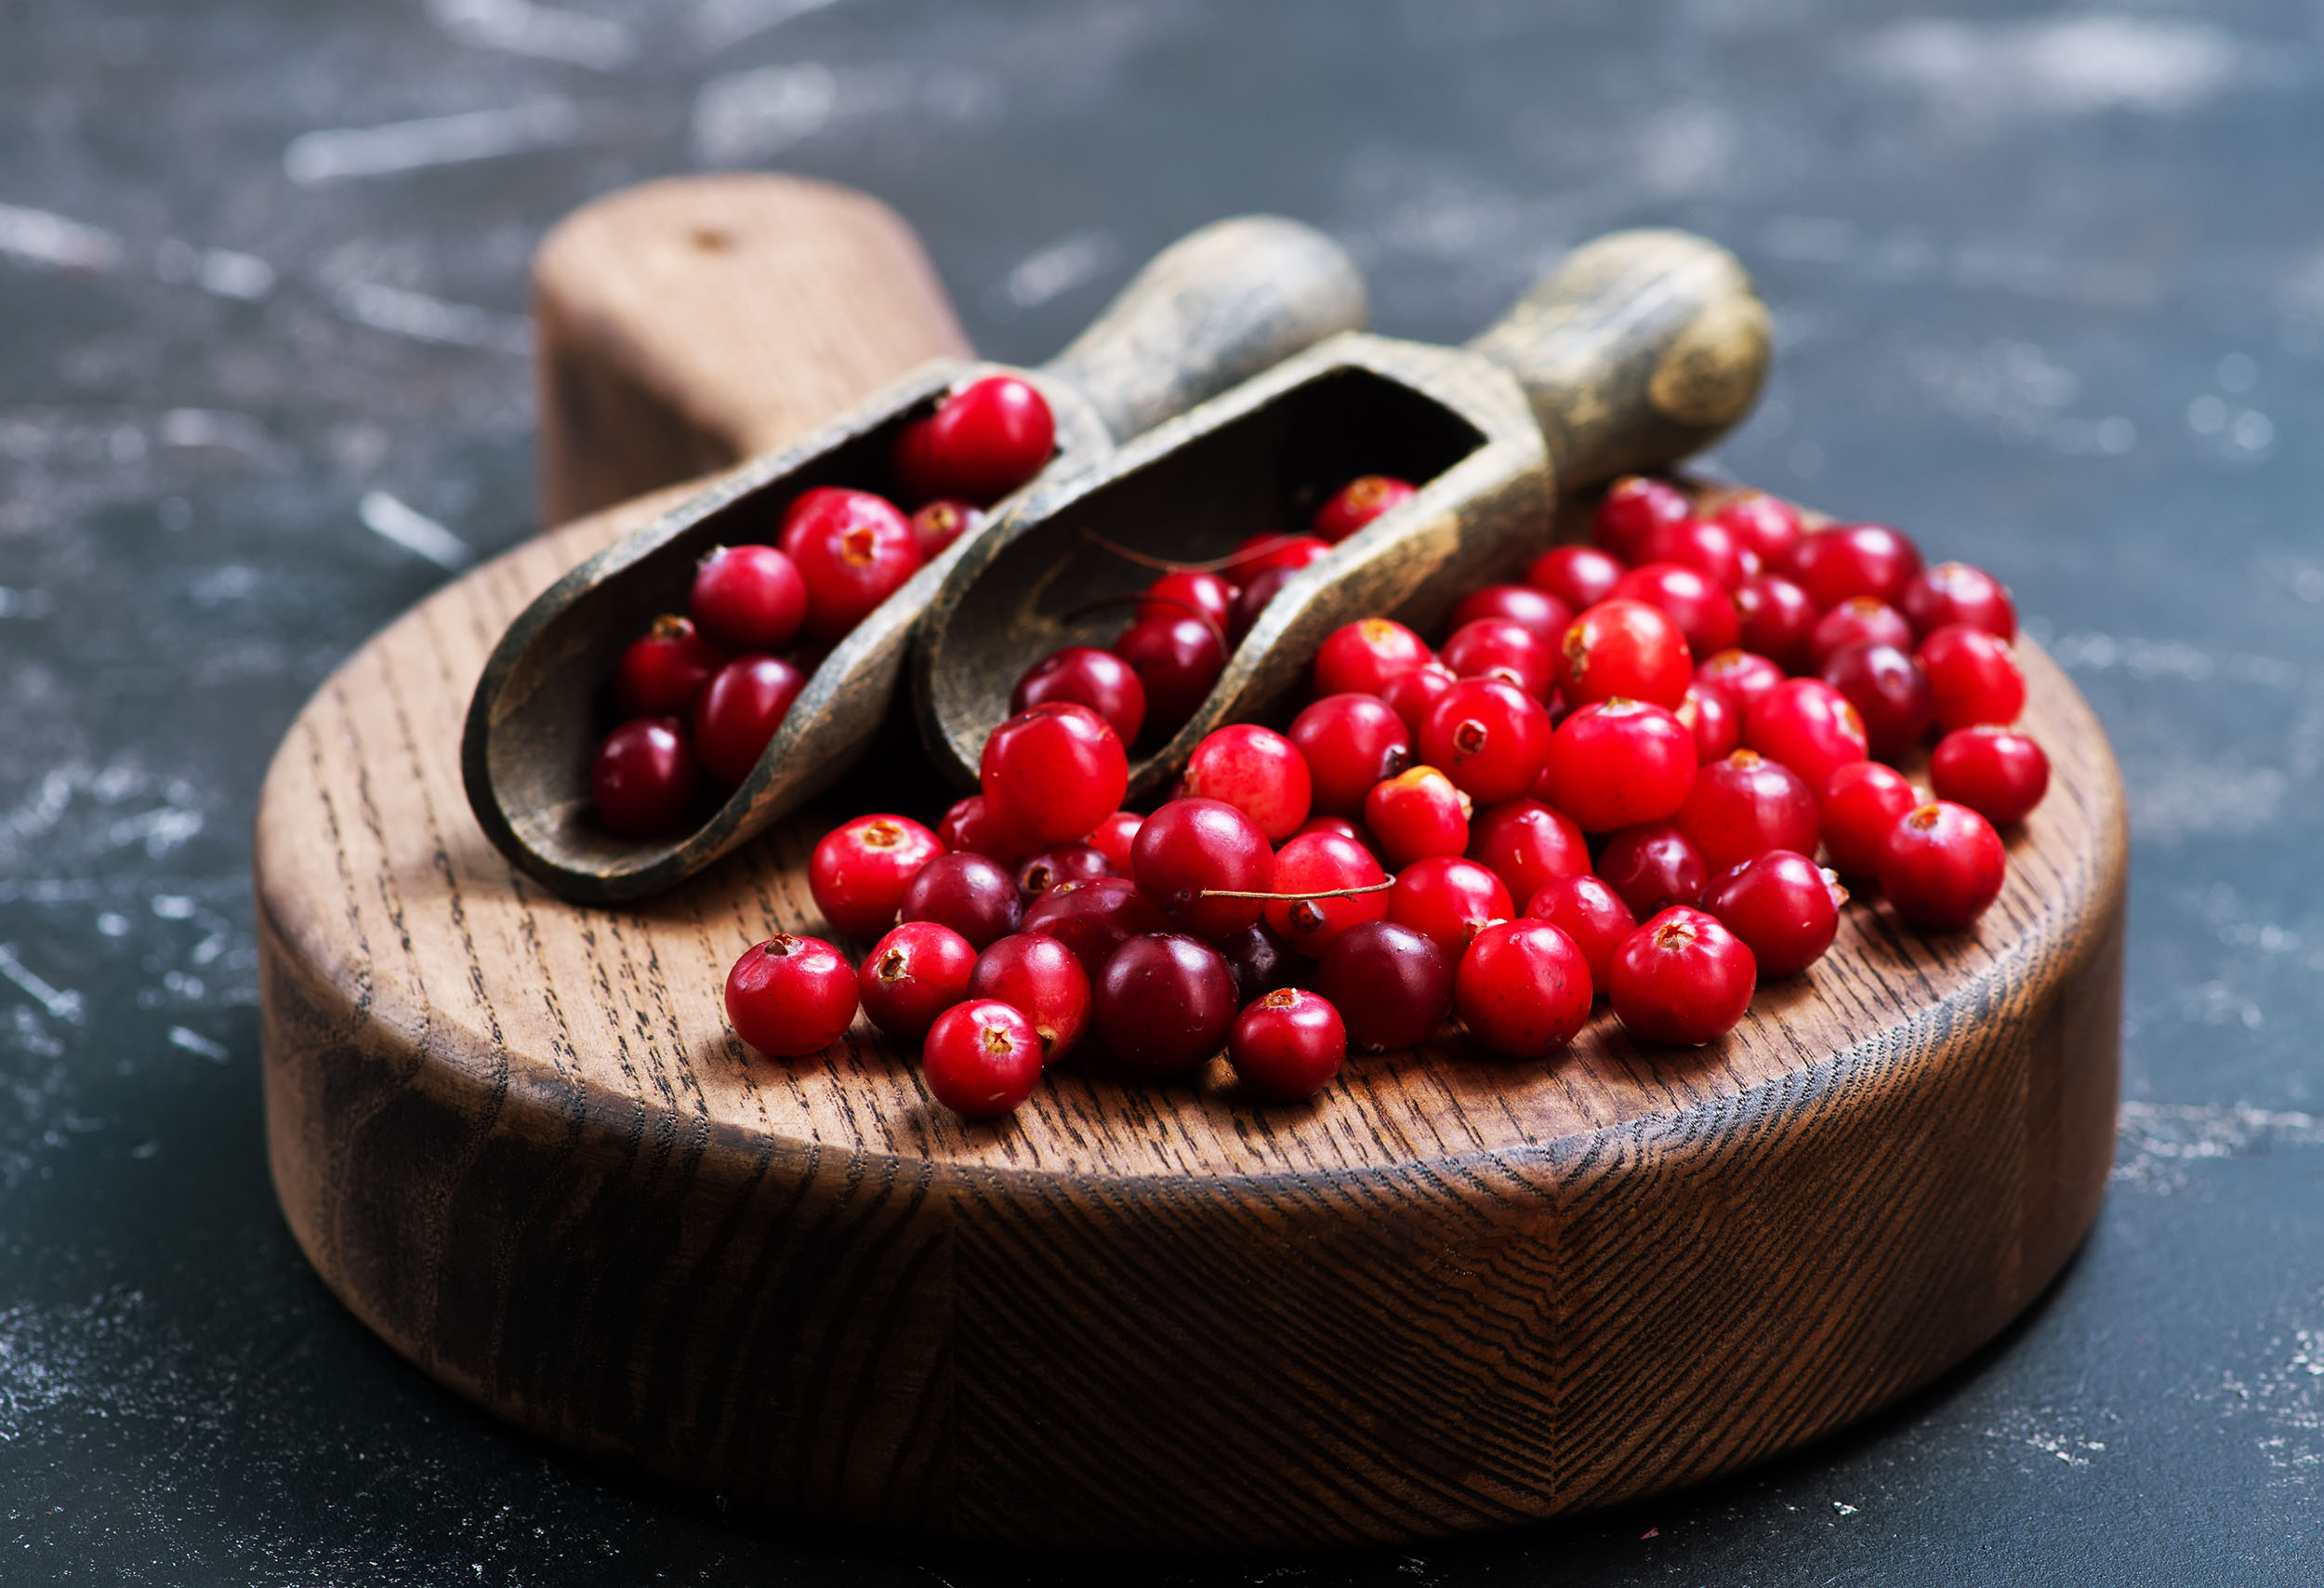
x=427, y=319
x=31, y=604
x=62, y=1003
x=220, y=272
x=37, y=237
x=413, y=530
x=2069, y=65
x=1056, y=269
x=194, y=1042
x=336, y=154
x=520, y=27
x=749, y=116
x=717, y=23
x=214, y=427
x=2156, y=1142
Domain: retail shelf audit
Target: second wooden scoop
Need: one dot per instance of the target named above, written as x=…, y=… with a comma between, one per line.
x=1214, y=309
x=1639, y=349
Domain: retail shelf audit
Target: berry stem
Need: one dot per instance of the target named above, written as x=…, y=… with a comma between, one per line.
x=1294, y=898
x=1164, y=565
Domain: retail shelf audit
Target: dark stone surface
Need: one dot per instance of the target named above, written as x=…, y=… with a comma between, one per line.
x=2050, y=290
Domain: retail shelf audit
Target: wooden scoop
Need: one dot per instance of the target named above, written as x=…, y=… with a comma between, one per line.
x=1637, y=350
x=1212, y=309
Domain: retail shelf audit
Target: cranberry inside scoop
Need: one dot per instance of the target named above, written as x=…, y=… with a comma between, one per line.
x=981, y=443
x=738, y=712
x=1083, y=675
x=661, y=671
x=642, y=779
x=749, y=597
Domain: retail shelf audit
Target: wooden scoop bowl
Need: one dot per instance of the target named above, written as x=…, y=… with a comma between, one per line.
x=1210, y=311
x=1637, y=350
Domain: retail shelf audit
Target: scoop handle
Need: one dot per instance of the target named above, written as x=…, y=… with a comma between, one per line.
x=1637, y=350
x=1208, y=313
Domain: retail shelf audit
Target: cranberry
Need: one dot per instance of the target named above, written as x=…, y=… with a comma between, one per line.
x=1783, y=906
x=1360, y=657
x=822, y=508
x=1350, y=742
x=1526, y=843
x=1859, y=620
x=1854, y=559
x=850, y=566
x=1997, y=773
x=1257, y=770
x=1286, y=1045
x=1356, y=504
x=1113, y=838
x=642, y=778
x=860, y=869
x=1708, y=714
x=747, y=598
x=661, y=671
x=1043, y=980
x=1261, y=961
x=1620, y=762
x=1252, y=600
x=1581, y=576
x=942, y=522
x=1632, y=506
x=972, y=827
x=1448, y=898
x=1699, y=606
x=1973, y=677
x=1742, y=675
x=1083, y=675
x=790, y=996
x=1393, y=986
x=1942, y=868
x=1744, y=806
x=1188, y=593
x=1036, y=874
x=1682, y=978
x=1488, y=735
x=1775, y=619
x=1711, y=549
x=1523, y=988
x=1190, y=847
x=1417, y=814
x=1808, y=725
x=1890, y=693
x=739, y=710
x=982, y=1059
x=1627, y=648
x=1410, y=695
x=981, y=443
x=1316, y=865
x=1955, y=593
x=1054, y=773
x=1653, y=867
x=1176, y=660
x=1588, y=910
x=970, y=893
x=1544, y=614
x=1164, y=1002
x=1494, y=647
x=1861, y=805
x=1767, y=525
x=1342, y=826
x=1094, y=918
x=912, y=975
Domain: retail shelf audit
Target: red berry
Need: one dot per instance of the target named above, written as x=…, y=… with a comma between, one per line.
x=1083, y=675
x=1261, y=961
x=1809, y=726
x=1767, y=525
x=1494, y=647
x=1410, y=695
x=860, y=869
x=970, y=828
x=971, y=893
x=822, y=507
x=1972, y=677
x=1745, y=805
x=1618, y=763
x=1588, y=910
x=1625, y=648
x=1710, y=715
x=1038, y=873
x=942, y=522
x=1315, y=864
x=661, y=671
x=1054, y=773
x=1859, y=620
x=1632, y=507
x=1488, y=735
x=1113, y=838
x=852, y=564
x=912, y=975
x=1955, y=593
x=1252, y=600
x=790, y=996
x=1523, y=988
x=1775, y=619
x=1350, y=742
x=1192, y=846
x=1682, y=978
x=1942, y=867
x=1742, y=675
x=1709, y=547
x=1265, y=553
x=1417, y=814
x=1546, y=615
x=1257, y=770
x=1164, y=1002
x=1392, y=986
x=1176, y=660
x=1340, y=825
x=1360, y=657
x=1699, y=606
x=1861, y=805
x=738, y=712
x=1188, y=594
x=1526, y=843
x=981, y=443
x=1854, y=559
x=1997, y=773
x=982, y=1059
x=1581, y=576
x=1448, y=898
x=747, y=598
x=1890, y=693
x=1094, y=918
x=1042, y=979
x=642, y=778
x=1356, y=504
x=1783, y=906
x=1286, y=1045
x=1653, y=867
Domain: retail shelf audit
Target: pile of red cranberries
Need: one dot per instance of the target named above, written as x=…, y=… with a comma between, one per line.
x=1611, y=779
x=704, y=693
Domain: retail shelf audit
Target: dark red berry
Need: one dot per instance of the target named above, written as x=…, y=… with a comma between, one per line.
x=1188, y=593
x=1316, y=863
x=1488, y=735
x=860, y=869
x=1707, y=547
x=1943, y=866
x=1257, y=770
x=1682, y=978
x=1775, y=619
x=1286, y=1045
x=1783, y=906
x=1350, y=742
x=1176, y=660
x=981, y=443
x=975, y=897
x=1653, y=867
x=1809, y=726
x=912, y=975
x=1581, y=576
x=747, y=598
x=1955, y=593
x=852, y=564
x=1392, y=986
x=1710, y=715
x=789, y=997
x=1588, y=910
x=1191, y=847
x=1494, y=647
x=1522, y=989
x=982, y=1058
x=1262, y=961
x=1113, y=838
x=1767, y=525
x=1699, y=605
x=1265, y=554
x=1410, y=695
x=1054, y=773
x=1890, y=693
x=1094, y=918
x=1360, y=657
x=1449, y=898
x=1252, y=600
x=1861, y=805
x=1742, y=675
x=1043, y=980
x=1856, y=621
x=1973, y=677
x=1356, y=504
x=1083, y=675
x=1038, y=872
x=970, y=828
x=1997, y=773
x=1745, y=805
x=1352, y=831
x=739, y=710
x=1417, y=814
x=642, y=779
x=1526, y=843
x=1854, y=559
x=1625, y=648
x=661, y=671
x=1164, y=1002
x=1542, y=612
x=942, y=521
x=1632, y=506
x=1620, y=762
